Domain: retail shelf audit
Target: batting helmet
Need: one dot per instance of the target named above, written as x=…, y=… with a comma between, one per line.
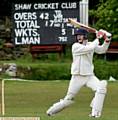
x=81, y=32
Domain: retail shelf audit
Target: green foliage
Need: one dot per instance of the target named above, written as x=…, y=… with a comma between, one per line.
x=52, y=68
x=1, y=43
x=107, y=17
x=105, y=69
x=61, y=70
x=45, y=71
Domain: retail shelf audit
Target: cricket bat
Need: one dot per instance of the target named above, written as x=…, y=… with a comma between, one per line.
x=80, y=25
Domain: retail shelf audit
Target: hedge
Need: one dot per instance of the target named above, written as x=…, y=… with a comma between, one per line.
x=105, y=69
x=45, y=72
x=61, y=71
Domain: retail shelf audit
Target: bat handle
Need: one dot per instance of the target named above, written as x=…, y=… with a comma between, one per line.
x=69, y=20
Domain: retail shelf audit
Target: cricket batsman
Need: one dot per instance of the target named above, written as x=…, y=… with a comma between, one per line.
x=82, y=71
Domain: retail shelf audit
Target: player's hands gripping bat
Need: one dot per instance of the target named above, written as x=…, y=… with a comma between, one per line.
x=101, y=33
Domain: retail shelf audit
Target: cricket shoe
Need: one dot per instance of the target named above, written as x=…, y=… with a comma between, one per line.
x=94, y=116
x=97, y=115
x=59, y=106
x=55, y=108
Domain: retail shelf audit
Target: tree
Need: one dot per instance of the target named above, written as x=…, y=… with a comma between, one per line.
x=107, y=17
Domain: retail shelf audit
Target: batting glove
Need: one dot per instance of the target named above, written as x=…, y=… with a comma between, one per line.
x=106, y=36
x=99, y=34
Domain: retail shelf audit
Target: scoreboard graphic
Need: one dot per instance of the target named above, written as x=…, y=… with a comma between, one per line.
x=44, y=23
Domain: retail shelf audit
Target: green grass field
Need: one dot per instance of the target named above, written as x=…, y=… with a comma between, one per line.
x=24, y=98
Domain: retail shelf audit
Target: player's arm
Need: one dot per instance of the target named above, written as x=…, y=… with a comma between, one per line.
x=100, y=49
x=84, y=49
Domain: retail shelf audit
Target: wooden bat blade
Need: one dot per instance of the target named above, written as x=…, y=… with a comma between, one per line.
x=78, y=25
x=74, y=22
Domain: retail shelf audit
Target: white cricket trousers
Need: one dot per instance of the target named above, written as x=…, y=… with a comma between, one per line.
x=95, y=84
x=75, y=84
x=78, y=81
